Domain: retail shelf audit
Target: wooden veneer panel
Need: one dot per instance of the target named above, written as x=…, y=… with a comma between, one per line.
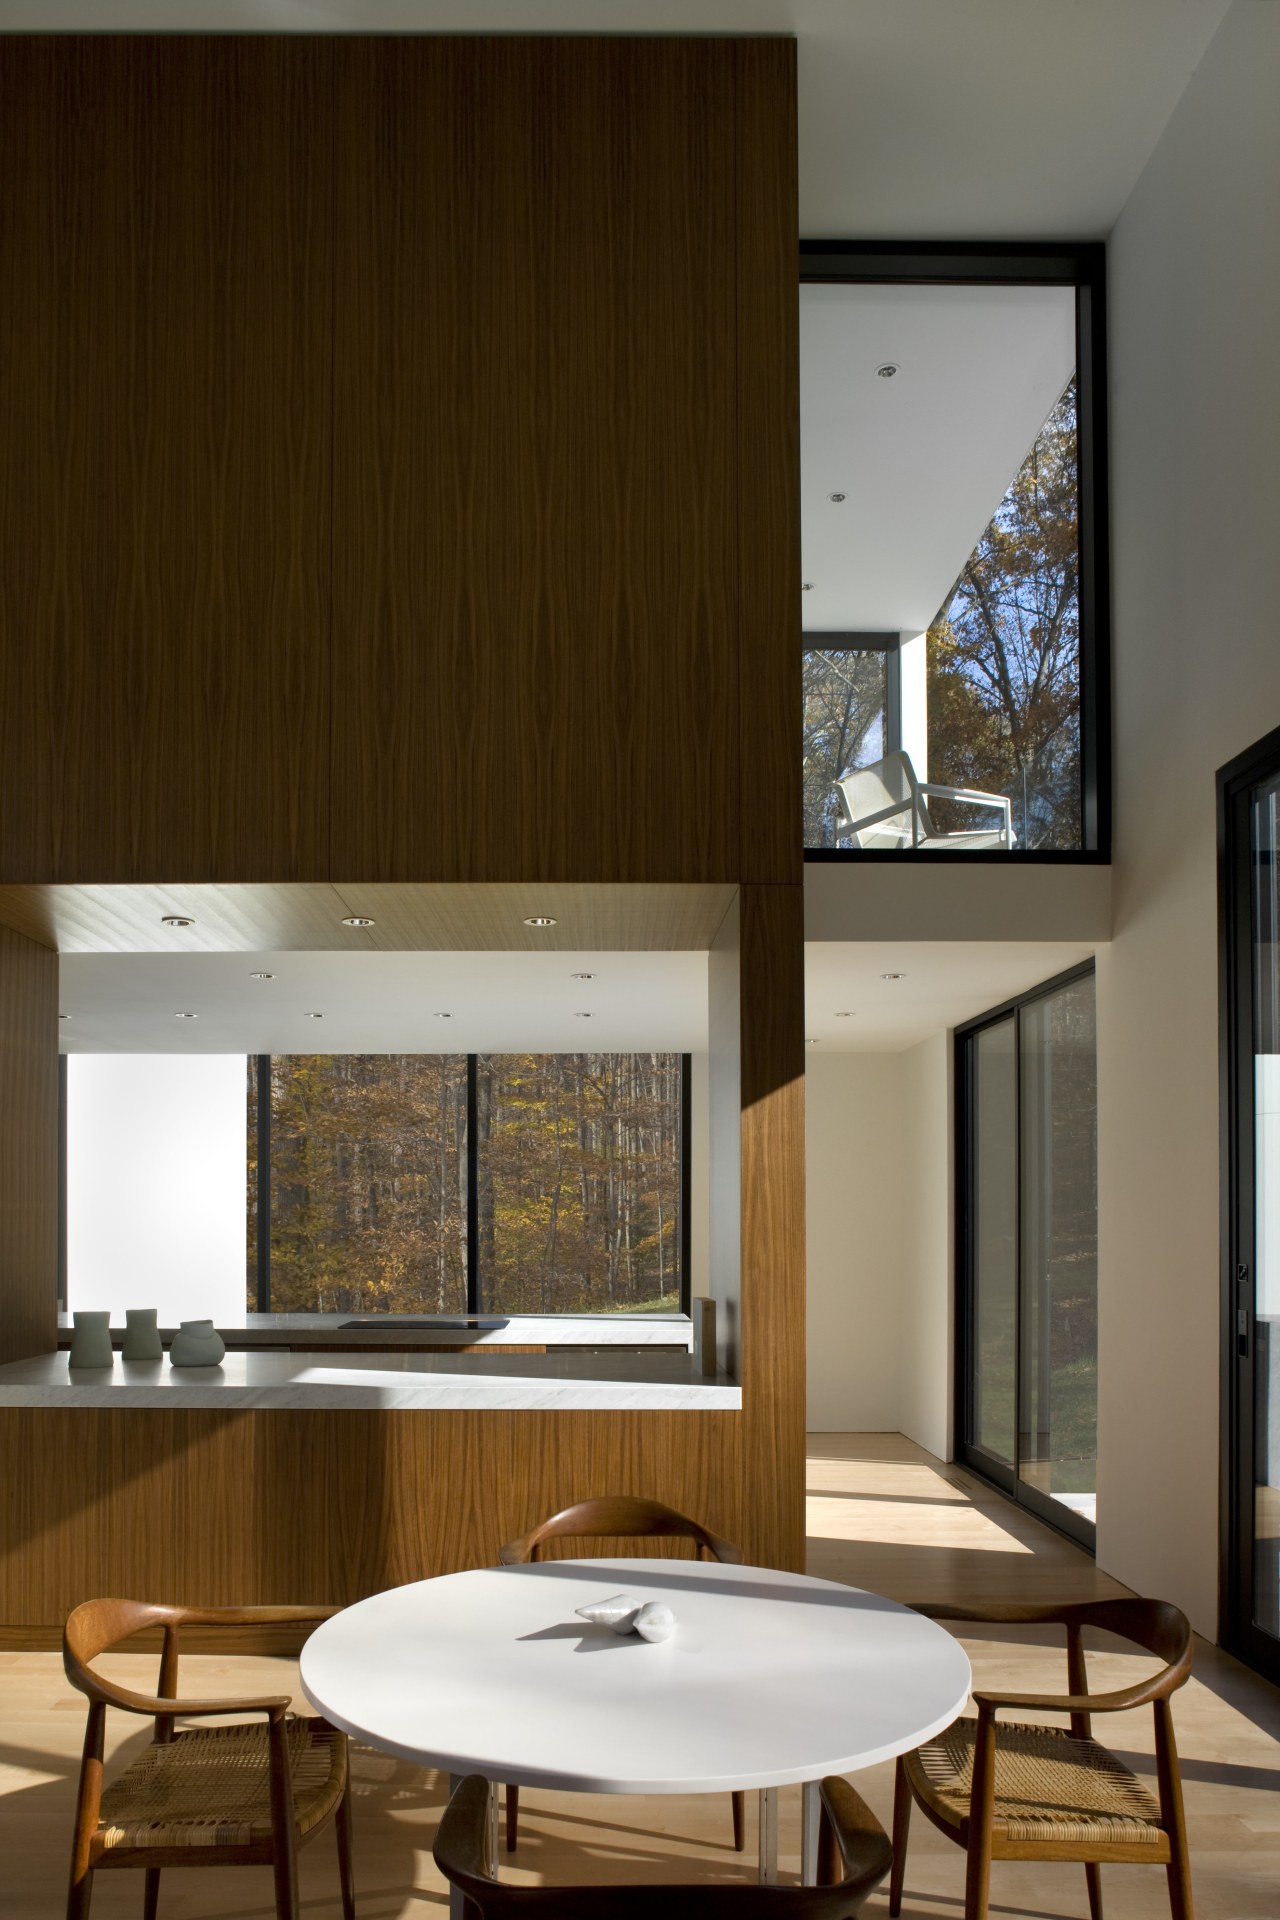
x=770, y=746
x=536, y=419
x=28, y=1147
x=165, y=334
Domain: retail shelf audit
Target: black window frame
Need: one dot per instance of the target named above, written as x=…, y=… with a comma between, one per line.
x=976, y=1460
x=262, y=1274
x=1083, y=266
x=1235, y=783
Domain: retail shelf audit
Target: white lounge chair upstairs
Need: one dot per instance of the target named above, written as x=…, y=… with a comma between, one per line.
x=886, y=806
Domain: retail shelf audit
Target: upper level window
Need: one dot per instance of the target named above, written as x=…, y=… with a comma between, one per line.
x=954, y=572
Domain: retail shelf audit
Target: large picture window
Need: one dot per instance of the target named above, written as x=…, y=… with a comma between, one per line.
x=454, y=1183
x=1028, y=1250
x=953, y=514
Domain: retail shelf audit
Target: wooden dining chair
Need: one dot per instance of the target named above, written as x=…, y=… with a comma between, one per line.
x=620, y=1516
x=242, y=1795
x=1029, y=1792
x=854, y=1855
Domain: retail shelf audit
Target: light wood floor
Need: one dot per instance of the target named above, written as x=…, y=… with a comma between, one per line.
x=882, y=1514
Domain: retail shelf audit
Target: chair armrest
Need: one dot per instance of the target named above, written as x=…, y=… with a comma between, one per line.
x=245, y=1616
x=274, y=1705
x=970, y=794
x=1141, y=1695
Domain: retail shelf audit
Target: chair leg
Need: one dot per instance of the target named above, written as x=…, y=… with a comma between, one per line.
x=284, y=1866
x=739, y=1821
x=1179, y=1872
x=513, y=1817
x=1093, y=1875
x=346, y=1878
x=901, y=1827
x=977, y=1876
x=79, y=1895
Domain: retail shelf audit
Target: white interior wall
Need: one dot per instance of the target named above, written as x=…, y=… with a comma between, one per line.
x=925, y=1388
x=878, y=1144
x=855, y=1163
x=156, y=1185
x=1195, y=417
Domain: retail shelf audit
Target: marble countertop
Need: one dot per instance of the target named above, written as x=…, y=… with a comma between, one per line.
x=265, y=1330
x=283, y=1381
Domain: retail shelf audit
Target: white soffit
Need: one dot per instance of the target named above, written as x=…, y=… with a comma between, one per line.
x=919, y=119
x=925, y=457
x=383, y=1002
x=942, y=984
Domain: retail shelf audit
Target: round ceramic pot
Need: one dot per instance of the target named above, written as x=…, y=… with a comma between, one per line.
x=90, y=1340
x=197, y=1343
x=141, y=1334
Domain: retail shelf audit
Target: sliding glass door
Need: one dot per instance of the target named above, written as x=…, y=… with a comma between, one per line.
x=1249, y=815
x=1028, y=1268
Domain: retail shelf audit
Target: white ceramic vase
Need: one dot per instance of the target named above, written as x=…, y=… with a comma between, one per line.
x=141, y=1334
x=197, y=1343
x=90, y=1340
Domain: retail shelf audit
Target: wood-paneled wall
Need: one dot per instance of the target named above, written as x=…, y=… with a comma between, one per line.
x=165, y=453
x=399, y=482
x=398, y=465
x=28, y=1150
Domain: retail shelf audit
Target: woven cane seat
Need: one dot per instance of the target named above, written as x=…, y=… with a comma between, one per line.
x=211, y=1787
x=1051, y=1786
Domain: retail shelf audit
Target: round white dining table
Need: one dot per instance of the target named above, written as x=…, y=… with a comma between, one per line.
x=768, y=1679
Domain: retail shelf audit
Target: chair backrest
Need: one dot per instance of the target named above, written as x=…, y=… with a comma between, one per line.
x=853, y=1839
x=618, y=1516
x=96, y=1625
x=1155, y=1625
x=866, y=791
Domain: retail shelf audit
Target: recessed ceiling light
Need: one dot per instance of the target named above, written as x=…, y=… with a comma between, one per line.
x=811, y=1043
x=444, y=1016
x=539, y=920
x=893, y=976
x=836, y=497
x=358, y=920
x=887, y=371
x=176, y=920
x=262, y=976
x=64, y=1016
x=806, y=586
x=582, y=976
x=313, y=1016
x=186, y=1016
x=582, y=1016
x=844, y=1016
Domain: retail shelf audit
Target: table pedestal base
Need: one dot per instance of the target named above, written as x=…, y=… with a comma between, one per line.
x=810, y=1816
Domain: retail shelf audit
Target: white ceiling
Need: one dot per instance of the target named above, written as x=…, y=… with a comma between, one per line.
x=923, y=459
x=918, y=118
x=943, y=984
x=383, y=1002
x=521, y=1002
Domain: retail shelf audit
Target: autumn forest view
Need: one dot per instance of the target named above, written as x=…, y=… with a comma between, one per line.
x=577, y=1189
x=1003, y=665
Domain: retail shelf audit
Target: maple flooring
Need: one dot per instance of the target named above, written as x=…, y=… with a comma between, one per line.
x=882, y=1514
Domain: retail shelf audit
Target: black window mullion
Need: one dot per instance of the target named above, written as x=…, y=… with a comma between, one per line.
x=473, y=1187
x=263, y=1090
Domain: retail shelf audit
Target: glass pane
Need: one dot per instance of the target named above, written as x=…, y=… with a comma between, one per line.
x=1266, y=1320
x=1004, y=655
x=1059, y=1329
x=995, y=1240
x=368, y=1183
x=578, y=1182
x=846, y=705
